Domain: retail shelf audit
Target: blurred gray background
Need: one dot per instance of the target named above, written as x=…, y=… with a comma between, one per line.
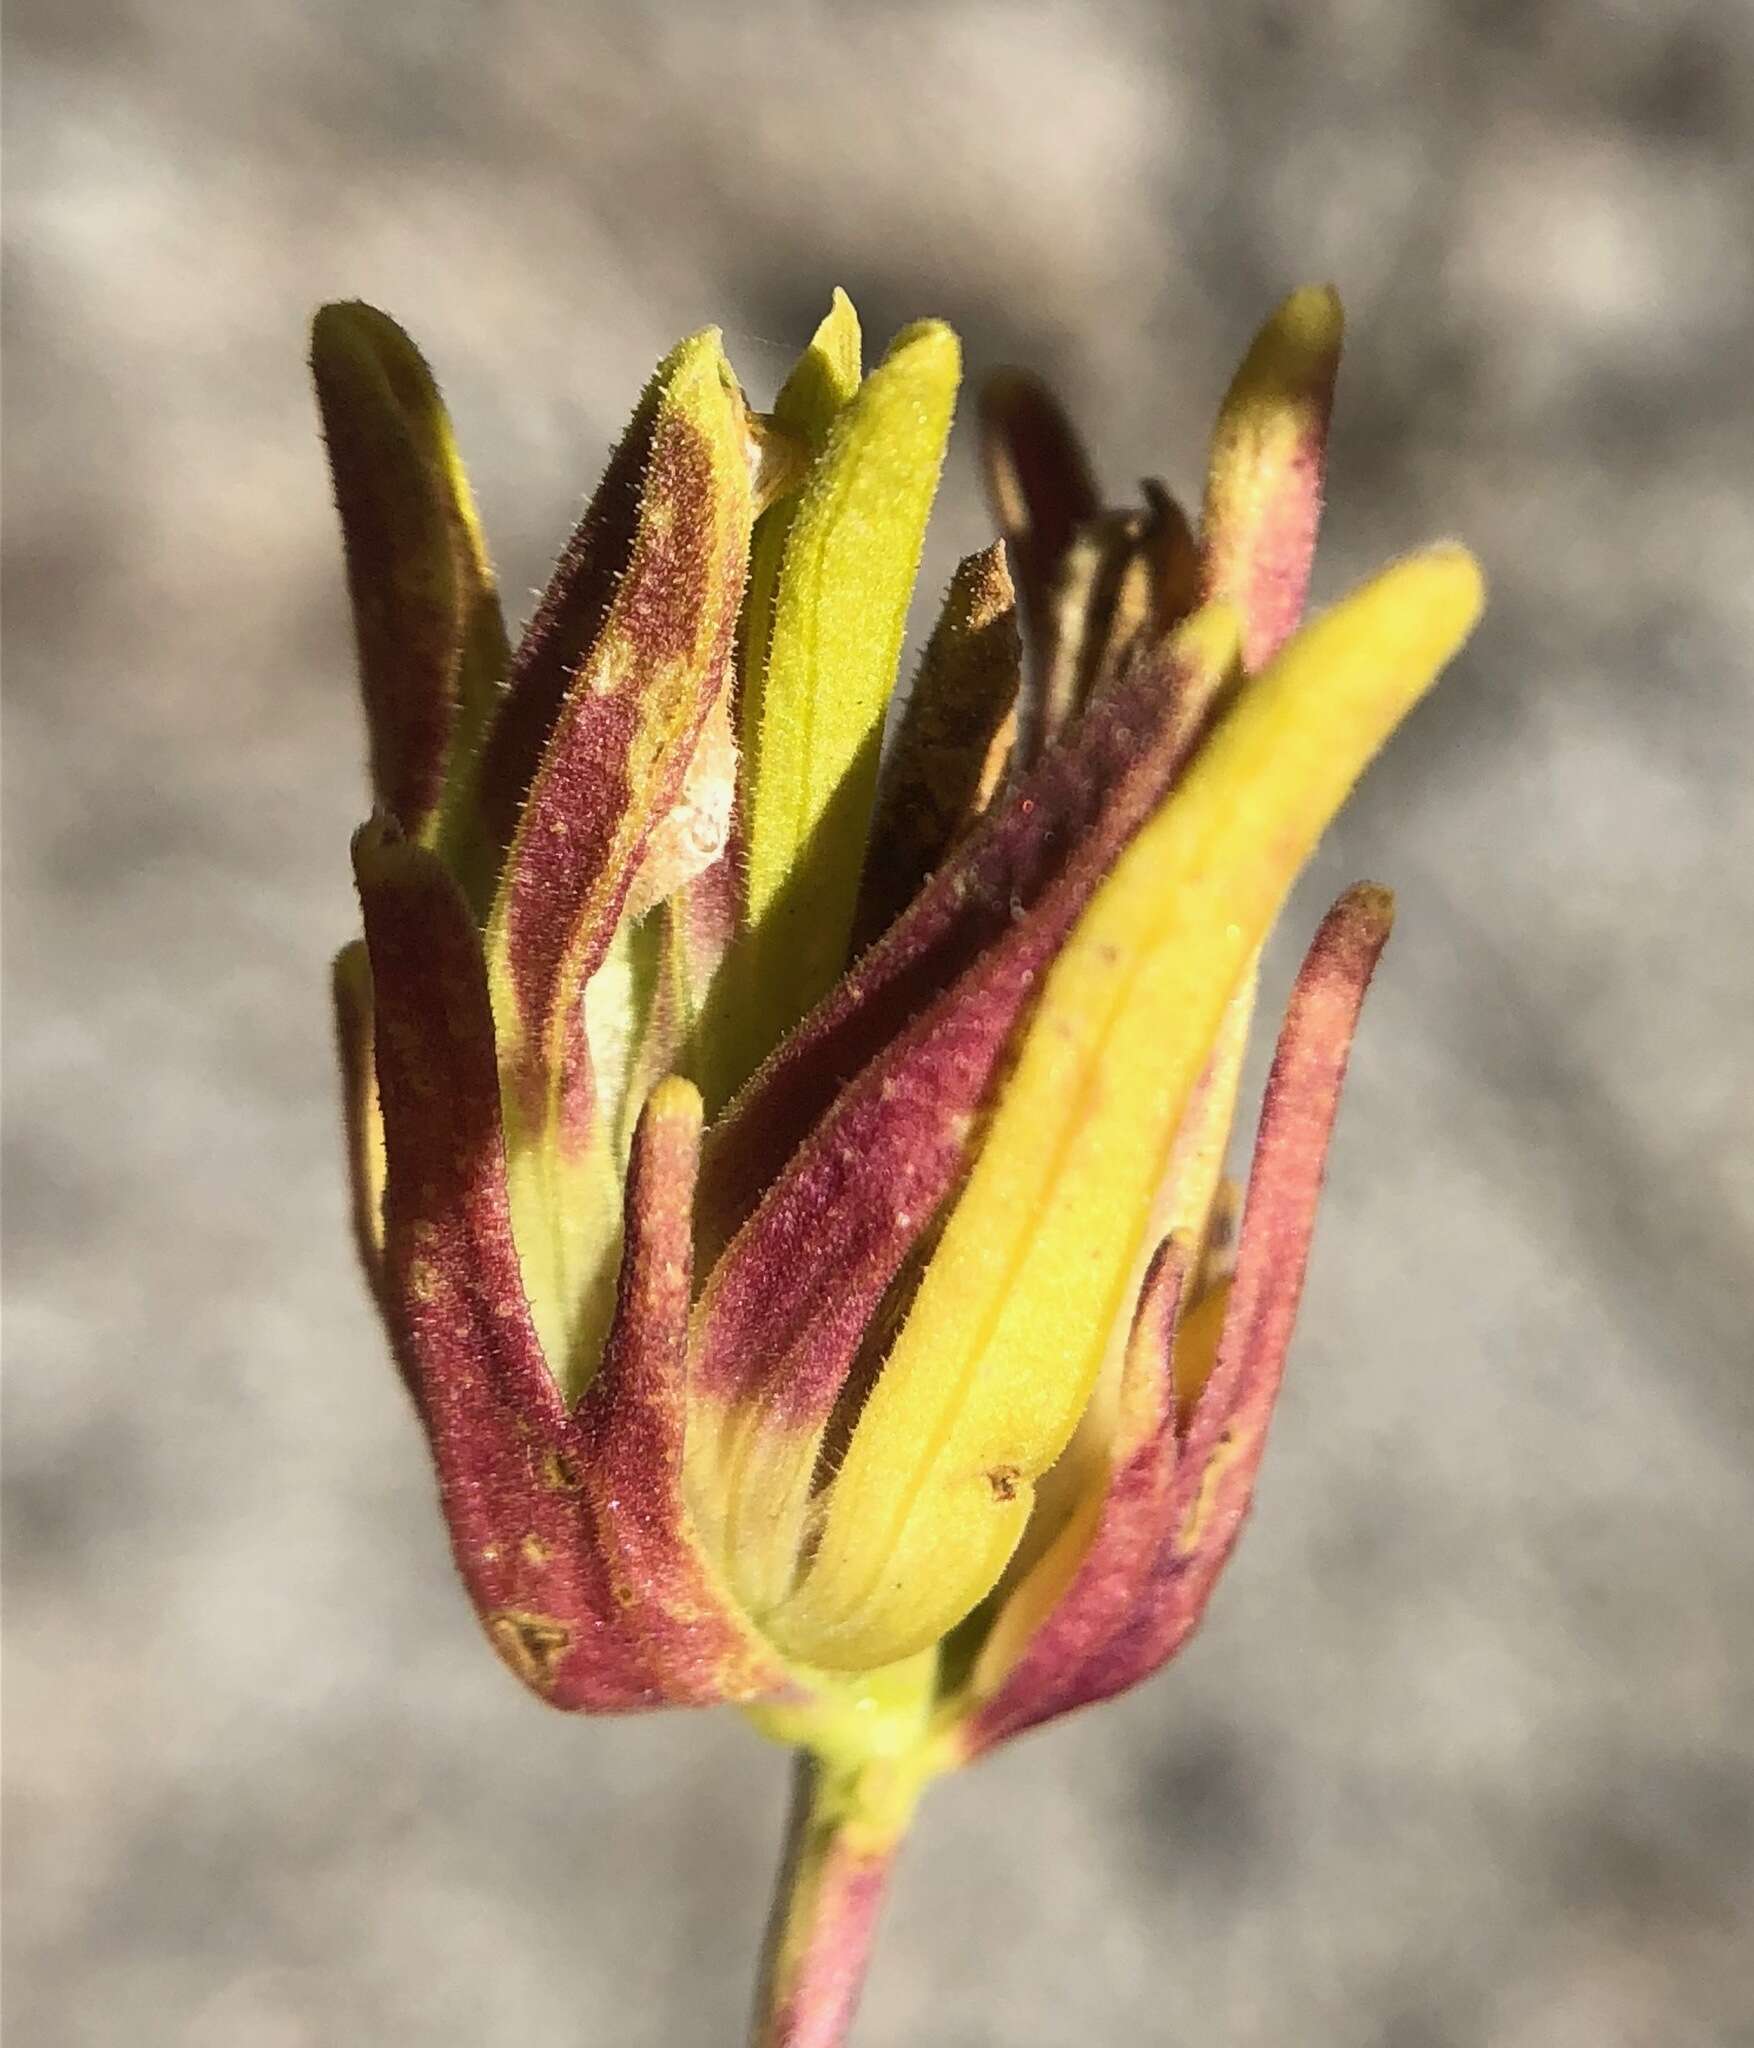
x=1465, y=1753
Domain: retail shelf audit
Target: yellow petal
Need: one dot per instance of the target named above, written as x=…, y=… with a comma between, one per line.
x=999, y=1353
x=813, y=716
x=822, y=381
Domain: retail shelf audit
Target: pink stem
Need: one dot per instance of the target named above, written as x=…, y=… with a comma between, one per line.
x=831, y=1888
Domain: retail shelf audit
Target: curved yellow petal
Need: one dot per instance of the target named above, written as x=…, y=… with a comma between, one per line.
x=1000, y=1350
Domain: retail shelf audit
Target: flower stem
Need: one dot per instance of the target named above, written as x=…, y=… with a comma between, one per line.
x=845, y=1827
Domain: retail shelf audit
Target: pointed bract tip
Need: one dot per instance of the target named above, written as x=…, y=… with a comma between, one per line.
x=676, y=1101
x=1371, y=908
x=339, y=320
x=1444, y=581
x=1298, y=348
x=841, y=338
x=331, y=325
x=1456, y=570
x=698, y=368
x=931, y=344
x=1312, y=316
x=350, y=335
x=338, y=325
x=820, y=383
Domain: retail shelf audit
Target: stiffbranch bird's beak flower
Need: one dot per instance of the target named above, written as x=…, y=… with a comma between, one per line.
x=793, y=1182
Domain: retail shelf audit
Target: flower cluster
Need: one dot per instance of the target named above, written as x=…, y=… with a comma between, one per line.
x=791, y=1171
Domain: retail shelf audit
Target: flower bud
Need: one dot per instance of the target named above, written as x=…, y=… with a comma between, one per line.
x=795, y=1192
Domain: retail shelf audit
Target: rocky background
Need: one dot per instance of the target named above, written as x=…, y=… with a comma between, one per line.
x=1466, y=1751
